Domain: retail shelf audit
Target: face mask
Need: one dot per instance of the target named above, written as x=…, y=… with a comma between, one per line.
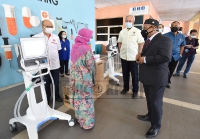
x=174, y=29
x=193, y=36
x=129, y=25
x=64, y=36
x=145, y=33
x=48, y=30
x=160, y=30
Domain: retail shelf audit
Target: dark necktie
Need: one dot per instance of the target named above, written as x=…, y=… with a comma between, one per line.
x=147, y=43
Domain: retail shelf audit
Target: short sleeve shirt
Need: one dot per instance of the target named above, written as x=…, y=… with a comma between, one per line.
x=130, y=40
x=177, y=41
x=53, y=46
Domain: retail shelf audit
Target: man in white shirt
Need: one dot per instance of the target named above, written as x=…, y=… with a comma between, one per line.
x=130, y=43
x=53, y=45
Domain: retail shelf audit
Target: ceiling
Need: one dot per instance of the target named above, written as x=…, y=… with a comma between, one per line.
x=168, y=10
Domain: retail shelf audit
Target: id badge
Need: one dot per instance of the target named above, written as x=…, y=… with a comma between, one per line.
x=65, y=48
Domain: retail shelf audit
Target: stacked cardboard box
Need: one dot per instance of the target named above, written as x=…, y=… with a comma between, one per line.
x=101, y=86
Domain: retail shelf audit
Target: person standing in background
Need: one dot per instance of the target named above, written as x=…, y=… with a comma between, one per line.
x=188, y=54
x=64, y=54
x=178, y=41
x=53, y=46
x=130, y=43
x=160, y=28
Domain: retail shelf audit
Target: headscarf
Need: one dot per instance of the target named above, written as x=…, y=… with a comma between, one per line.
x=81, y=46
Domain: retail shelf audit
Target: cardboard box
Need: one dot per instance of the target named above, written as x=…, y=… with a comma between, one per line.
x=101, y=86
x=66, y=94
x=99, y=70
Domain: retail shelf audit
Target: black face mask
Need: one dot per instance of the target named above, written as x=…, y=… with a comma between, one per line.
x=145, y=33
x=174, y=29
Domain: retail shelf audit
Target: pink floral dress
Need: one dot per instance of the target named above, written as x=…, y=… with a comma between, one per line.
x=81, y=86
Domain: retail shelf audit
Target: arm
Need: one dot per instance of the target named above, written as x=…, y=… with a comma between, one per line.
x=140, y=42
x=164, y=53
x=59, y=45
x=119, y=46
x=183, y=44
x=91, y=65
x=181, y=50
x=119, y=42
x=140, y=46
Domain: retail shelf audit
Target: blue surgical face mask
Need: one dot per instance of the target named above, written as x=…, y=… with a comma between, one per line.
x=129, y=25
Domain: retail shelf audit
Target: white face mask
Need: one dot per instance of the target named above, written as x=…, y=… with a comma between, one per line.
x=48, y=30
x=64, y=36
x=160, y=30
x=193, y=36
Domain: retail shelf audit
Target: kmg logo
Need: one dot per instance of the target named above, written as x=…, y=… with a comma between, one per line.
x=139, y=8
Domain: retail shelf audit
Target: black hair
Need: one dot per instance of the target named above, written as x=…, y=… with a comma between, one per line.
x=60, y=35
x=175, y=22
x=193, y=30
x=162, y=25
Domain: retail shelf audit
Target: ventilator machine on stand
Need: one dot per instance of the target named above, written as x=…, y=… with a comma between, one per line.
x=112, y=65
x=34, y=59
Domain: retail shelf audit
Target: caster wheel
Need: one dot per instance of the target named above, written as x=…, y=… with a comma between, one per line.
x=72, y=122
x=13, y=127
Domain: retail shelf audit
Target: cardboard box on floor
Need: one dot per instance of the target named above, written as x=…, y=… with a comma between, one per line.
x=100, y=88
x=99, y=70
x=66, y=93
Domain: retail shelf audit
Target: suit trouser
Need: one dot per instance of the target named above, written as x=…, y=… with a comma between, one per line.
x=172, y=66
x=154, y=97
x=55, y=75
x=127, y=68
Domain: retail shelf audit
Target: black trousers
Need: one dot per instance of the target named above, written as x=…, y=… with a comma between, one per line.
x=55, y=75
x=64, y=66
x=127, y=68
x=154, y=97
x=172, y=66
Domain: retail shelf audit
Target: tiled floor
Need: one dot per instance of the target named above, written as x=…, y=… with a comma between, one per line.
x=116, y=114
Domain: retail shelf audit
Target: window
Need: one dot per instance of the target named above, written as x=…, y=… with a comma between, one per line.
x=107, y=28
x=139, y=21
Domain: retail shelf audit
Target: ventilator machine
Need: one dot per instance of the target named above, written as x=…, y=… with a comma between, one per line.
x=113, y=63
x=34, y=60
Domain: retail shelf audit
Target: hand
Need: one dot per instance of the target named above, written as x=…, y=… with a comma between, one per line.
x=137, y=57
x=141, y=60
x=193, y=47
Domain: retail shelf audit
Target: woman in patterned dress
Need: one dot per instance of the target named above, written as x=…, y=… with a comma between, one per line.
x=82, y=79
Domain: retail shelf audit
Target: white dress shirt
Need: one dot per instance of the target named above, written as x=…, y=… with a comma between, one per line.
x=130, y=40
x=53, y=46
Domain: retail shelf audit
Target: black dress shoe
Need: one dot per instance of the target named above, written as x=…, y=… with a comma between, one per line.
x=152, y=132
x=144, y=117
x=184, y=76
x=134, y=96
x=124, y=91
x=168, y=86
x=59, y=99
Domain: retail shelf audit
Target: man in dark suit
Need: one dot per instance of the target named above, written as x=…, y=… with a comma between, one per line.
x=154, y=73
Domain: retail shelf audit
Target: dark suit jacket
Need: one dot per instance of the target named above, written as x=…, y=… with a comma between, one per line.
x=155, y=72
